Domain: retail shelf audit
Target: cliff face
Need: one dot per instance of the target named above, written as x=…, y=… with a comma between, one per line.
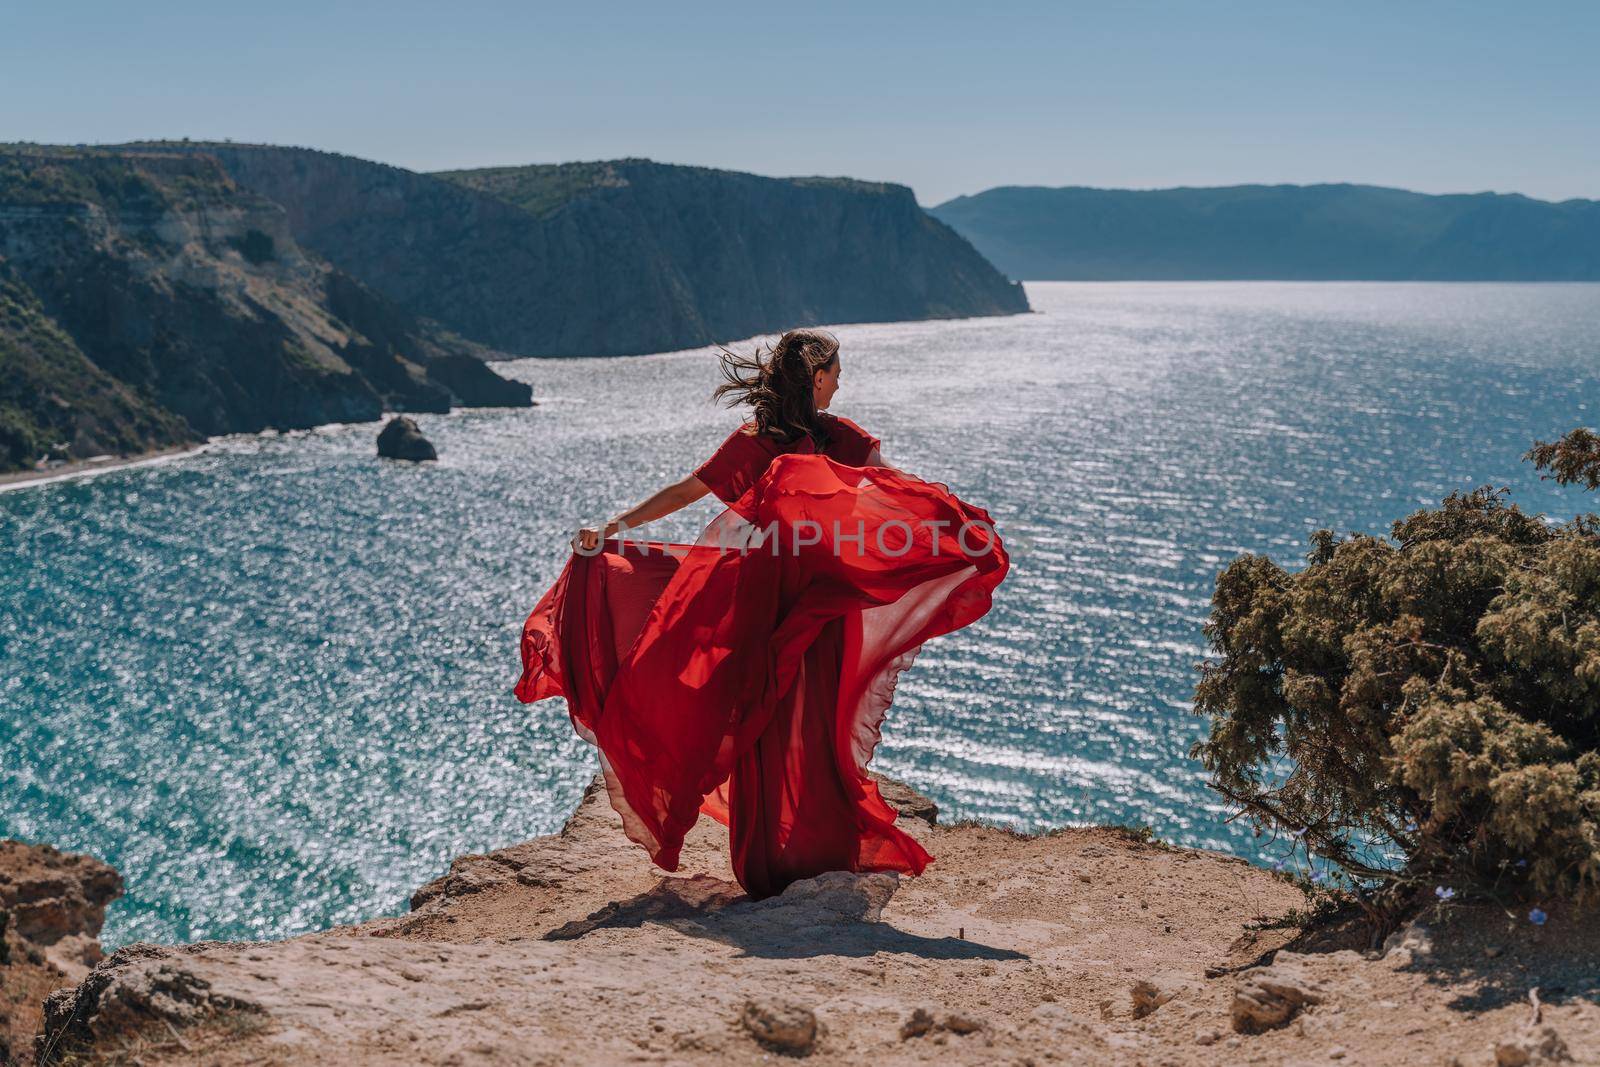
x=53, y=397
x=1079, y=946
x=52, y=905
x=148, y=300
x=1316, y=232
x=623, y=257
x=721, y=254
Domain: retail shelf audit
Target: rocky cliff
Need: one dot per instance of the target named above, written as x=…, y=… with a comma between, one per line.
x=1091, y=945
x=1314, y=232
x=52, y=905
x=146, y=299
x=622, y=257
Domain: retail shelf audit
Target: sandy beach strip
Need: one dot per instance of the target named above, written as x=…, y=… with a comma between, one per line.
x=89, y=468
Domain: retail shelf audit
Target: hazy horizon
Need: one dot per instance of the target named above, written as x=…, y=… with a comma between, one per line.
x=1431, y=97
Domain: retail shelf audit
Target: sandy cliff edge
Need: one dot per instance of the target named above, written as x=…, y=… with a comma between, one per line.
x=52, y=904
x=1080, y=946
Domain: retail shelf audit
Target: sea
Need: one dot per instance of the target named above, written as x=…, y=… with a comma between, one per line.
x=271, y=681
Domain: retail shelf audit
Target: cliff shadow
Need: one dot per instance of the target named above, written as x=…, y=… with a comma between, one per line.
x=834, y=915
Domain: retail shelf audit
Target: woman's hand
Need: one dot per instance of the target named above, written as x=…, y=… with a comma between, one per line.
x=588, y=538
x=662, y=502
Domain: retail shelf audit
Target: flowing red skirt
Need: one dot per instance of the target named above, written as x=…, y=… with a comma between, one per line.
x=746, y=676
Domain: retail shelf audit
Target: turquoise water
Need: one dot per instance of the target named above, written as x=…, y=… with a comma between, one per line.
x=271, y=682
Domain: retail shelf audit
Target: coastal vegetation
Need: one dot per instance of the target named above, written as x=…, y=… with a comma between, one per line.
x=1422, y=711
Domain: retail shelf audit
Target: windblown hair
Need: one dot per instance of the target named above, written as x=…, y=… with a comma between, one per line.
x=776, y=382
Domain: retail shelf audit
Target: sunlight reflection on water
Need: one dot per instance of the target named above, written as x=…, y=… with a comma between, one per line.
x=271, y=682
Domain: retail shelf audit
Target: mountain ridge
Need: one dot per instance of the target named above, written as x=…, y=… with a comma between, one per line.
x=1322, y=232
x=654, y=257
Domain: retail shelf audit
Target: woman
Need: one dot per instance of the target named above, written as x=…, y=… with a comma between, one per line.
x=745, y=676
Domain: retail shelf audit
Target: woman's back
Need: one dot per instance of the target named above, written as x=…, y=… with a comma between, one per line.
x=750, y=685
x=743, y=457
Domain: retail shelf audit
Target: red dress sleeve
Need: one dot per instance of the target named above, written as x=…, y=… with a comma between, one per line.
x=849, y=443
x=735, y=466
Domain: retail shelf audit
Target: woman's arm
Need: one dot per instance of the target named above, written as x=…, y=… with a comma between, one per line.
x=662, y=502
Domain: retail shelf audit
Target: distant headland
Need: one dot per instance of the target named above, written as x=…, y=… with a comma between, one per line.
x=1277, y=232
x=623, y=257
x=155, y=294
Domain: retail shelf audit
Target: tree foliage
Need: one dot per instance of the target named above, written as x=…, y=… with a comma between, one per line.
x=1574, y=458
x=1434, y=693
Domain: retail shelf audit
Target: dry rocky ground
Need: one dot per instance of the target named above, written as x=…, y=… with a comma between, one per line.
x=1082, y=946
x=52, y=904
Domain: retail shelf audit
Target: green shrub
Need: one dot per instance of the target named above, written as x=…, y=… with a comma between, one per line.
x=1433, y=696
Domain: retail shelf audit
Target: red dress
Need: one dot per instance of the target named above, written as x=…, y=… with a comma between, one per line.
x=745, y=676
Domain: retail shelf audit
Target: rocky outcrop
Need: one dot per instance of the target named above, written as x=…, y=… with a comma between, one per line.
x=780, y=1026
x=401, y=439
x=1078, y=946
x=1269, y=997
x=138, y=986
x=50, y=897
x=146, y=300
x=904, y=799
x=622, y=257
x=52, y=905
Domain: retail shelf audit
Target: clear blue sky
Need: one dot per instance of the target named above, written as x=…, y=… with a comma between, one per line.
x=947, y=98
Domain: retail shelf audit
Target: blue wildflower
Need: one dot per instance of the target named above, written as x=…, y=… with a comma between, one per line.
x=1537, y=917
x=1522, y=863
x=1443, y=892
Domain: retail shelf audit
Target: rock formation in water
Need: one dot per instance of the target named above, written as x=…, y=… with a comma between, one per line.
x=622, y=257
x=52, y=905
x=401, y=439
x=147, y=300
x=1090, y=945
x=1313, y=232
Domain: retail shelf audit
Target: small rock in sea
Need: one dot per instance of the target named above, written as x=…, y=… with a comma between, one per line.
x=1269, y=997
x=918, y=1023
x=400, y=439
x=1543, y=1045
x=781, y=1026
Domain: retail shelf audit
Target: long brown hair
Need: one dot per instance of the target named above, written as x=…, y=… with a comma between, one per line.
x=777, y=383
